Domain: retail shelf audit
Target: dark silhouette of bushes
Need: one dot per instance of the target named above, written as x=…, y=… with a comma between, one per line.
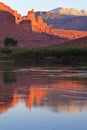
x=10, y=42
x=52, y=55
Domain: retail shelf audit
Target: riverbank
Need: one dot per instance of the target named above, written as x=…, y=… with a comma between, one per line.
x=44, y=55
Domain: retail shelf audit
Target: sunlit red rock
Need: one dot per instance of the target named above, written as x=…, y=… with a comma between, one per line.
x=31, y=31
x=31, y=16
x=11, y=104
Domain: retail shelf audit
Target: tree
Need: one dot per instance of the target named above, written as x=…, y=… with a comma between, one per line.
x=10, y=42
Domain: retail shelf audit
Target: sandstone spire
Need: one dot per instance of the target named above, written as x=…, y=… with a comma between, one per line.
x=31, y=16
x=39, y=19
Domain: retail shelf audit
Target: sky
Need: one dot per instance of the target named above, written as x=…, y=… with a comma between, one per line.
x=23, y=6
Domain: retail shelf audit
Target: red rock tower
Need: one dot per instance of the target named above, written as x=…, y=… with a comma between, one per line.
x=31, y=16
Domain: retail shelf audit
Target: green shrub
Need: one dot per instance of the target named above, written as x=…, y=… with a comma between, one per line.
x=10, y=42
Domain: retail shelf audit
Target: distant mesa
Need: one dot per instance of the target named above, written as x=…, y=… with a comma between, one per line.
x=65, y=18
x=70, y=11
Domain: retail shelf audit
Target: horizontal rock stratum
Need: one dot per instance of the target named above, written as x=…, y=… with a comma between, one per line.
x=31, y=31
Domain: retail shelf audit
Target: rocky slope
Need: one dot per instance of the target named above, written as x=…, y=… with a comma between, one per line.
x=80, y=42
x=63, y=21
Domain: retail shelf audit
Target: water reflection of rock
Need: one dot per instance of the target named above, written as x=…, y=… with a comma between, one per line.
x=7, y=71
x=9, y=77
x=55, y=94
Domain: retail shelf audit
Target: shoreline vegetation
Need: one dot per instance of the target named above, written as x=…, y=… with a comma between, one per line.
x=51, y=55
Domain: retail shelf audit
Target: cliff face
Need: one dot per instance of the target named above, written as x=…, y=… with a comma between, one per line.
x=38, y=25
x=6, y=17
x=23, y=32
x=31, y=31
x=4, y=7
x=26, y=25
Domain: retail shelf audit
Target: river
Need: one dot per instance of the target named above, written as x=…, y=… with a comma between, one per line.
x=43, y=98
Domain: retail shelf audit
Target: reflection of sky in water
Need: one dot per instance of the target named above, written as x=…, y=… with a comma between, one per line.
x=41, y=118
x=43, y=99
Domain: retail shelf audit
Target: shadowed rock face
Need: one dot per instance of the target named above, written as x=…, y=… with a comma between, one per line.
x=31, y=31
x=6, y=17
x=80, y=42
x=4, y=7
x=26, y=25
